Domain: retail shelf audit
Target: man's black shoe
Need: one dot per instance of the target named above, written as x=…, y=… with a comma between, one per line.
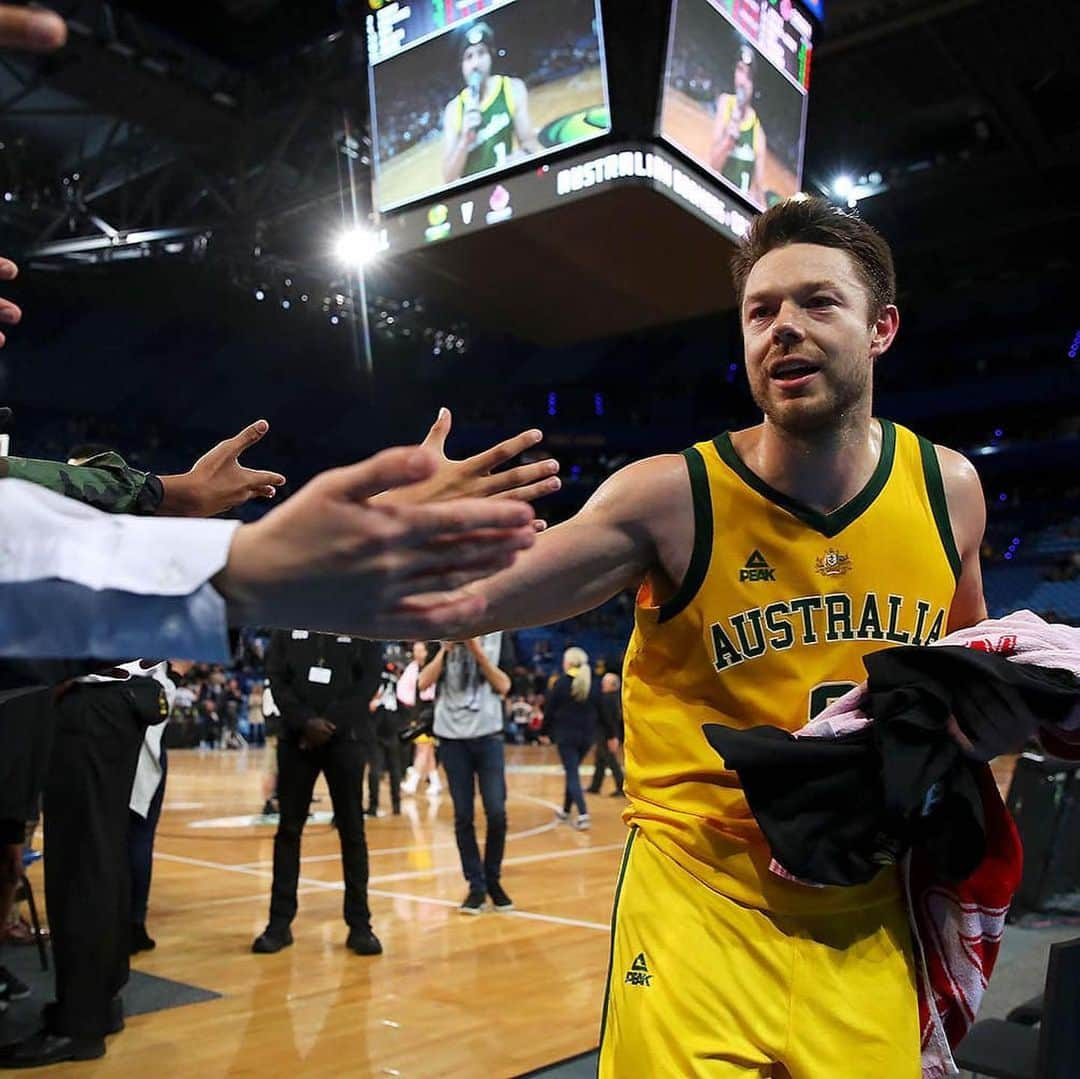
x=617, y=793
x=592, y=790
x=363, y=942
x=141, y=941
x=272, y=940
x=116, y=1017
x=43, y=1048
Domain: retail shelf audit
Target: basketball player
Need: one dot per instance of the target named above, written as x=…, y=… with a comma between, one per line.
x=491, y=114
x=768, y=561
x=738, y=141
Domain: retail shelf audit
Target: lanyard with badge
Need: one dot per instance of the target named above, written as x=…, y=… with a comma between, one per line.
x=320, y=674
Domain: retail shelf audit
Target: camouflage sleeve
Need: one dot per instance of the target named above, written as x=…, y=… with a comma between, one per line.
x=107, y=482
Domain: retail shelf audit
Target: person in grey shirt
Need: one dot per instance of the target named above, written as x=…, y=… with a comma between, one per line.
x=471, y=679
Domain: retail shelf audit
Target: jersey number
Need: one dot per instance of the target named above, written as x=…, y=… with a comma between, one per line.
x=822, y=696
x=500, y=154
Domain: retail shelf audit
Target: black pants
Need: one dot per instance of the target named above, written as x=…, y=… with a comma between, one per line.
x=342, y=762
x=87, y=878
x=605, y=760
x=385, y=756
x=141, y=831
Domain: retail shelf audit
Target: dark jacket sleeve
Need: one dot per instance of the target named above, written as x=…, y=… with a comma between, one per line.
x=108, y=483
x=555, y=697
x=611, y=715
x=295, y=712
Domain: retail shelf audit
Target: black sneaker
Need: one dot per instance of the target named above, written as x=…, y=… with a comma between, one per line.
x=12, y=988
x=474, y=902
x=499, y=898
x=363, y=942
x=271, y=940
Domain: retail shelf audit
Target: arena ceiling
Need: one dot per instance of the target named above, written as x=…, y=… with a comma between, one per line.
x=229, y=116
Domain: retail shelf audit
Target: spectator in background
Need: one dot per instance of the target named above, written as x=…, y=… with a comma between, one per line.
x=421, y=705
x=386, y=749
x=255, y=717
x=609, y=737
x=471, y=680
x=571, y=719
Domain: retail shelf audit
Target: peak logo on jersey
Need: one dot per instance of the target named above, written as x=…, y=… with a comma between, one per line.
x=757, y=568
x=833, y=564
x=639, y=973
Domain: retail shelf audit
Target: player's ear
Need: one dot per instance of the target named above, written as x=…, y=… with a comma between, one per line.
x=883, y=330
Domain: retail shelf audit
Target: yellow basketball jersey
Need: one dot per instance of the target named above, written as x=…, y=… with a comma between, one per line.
x=779, y=606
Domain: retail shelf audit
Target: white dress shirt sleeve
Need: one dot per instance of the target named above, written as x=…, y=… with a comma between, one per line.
x=77, y=582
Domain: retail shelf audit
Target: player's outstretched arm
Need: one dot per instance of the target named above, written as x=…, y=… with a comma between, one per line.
x=332, y=559
x=639, y=521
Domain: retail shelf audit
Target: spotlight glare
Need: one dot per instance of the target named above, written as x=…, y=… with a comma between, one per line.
x=260, y=294
x=357, y=247
x=843, y=186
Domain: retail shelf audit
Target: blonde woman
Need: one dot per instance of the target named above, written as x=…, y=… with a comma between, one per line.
x=571, y=716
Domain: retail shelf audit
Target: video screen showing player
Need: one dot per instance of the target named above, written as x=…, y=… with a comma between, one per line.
x=730, y=109
x=523, y=80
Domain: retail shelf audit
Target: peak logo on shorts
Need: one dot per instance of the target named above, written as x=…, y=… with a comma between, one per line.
x=639, y=973
x=757, y=568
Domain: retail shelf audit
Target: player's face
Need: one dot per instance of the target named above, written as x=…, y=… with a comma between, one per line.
x=476, y=58
x=805, y=319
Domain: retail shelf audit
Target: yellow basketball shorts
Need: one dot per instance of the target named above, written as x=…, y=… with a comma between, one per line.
x=700, y=985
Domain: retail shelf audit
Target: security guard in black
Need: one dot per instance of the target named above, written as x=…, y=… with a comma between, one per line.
x=321, y=684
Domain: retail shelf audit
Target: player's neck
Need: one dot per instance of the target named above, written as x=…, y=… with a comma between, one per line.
x=823, y=469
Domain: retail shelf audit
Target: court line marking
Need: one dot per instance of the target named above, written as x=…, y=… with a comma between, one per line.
x=338, y=886
x=260, y=898
x=525, y=859
x=554, y=919
x=540, y=829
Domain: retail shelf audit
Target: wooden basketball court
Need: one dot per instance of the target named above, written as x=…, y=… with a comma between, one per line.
x=452, y=995
x=495, y=995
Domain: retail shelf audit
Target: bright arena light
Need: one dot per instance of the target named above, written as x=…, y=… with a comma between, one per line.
x=357, y=247
x=843, y=186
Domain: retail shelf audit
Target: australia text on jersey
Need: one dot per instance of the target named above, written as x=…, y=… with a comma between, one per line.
x=812, y=620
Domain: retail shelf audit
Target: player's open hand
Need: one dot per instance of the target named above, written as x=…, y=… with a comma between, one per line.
x=334, y=558
x=475, y=477
x=29, y=30
x=10, y=314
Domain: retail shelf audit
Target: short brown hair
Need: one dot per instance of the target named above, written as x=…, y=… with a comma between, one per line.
x=816, y=221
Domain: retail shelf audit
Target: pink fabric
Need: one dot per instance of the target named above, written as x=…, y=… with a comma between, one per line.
x=406, y=686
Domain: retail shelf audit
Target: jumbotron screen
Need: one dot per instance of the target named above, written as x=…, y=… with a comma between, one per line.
x=460, y=91
x=735, y=89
